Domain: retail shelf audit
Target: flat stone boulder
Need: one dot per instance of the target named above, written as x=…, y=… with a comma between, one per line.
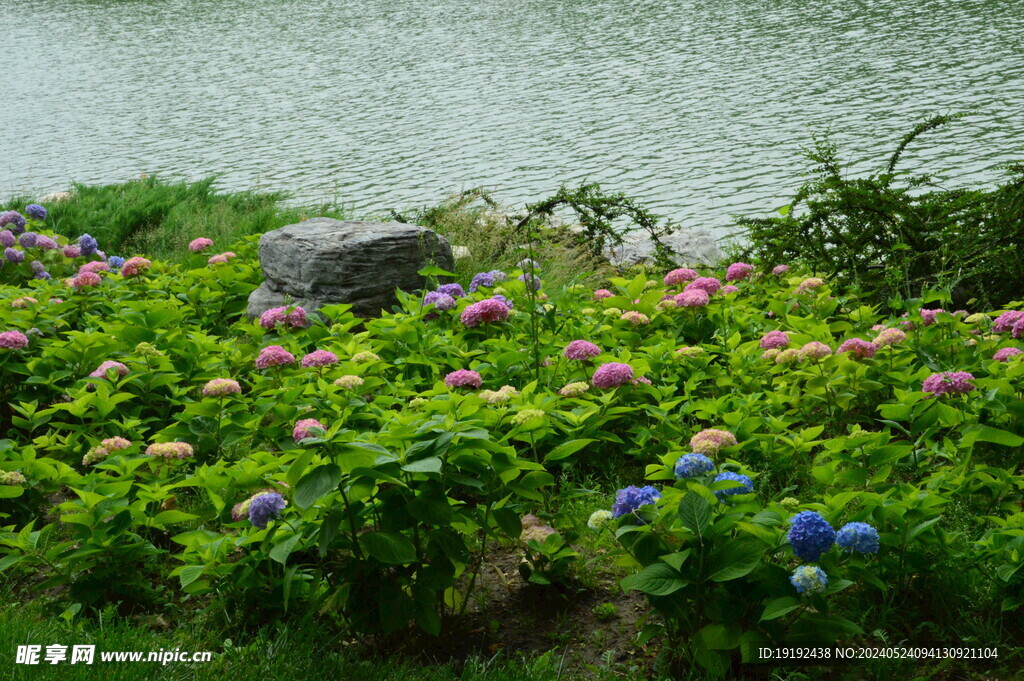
x=689, y=247
x=323, y=261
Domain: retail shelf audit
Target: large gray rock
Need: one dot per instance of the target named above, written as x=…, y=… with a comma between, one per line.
x=689, y=247
x=324, y=261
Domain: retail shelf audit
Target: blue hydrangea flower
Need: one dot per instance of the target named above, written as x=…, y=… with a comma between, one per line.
x=115, y=262
x=485, y=279
x=87, y=244
x=28, y=239
x=13, y=220
x=264, y=507
x=527, y=264
x=13, y=255
x=35, y=211
x=809, y=579
x=692, y=465
x=747, y=485
x=629, y=499
x=810, y=536
x=503, y=299
x=859, y=537
x=453, y=290
x=42, y=275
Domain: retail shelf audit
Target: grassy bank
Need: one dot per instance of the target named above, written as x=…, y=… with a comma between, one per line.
x=159, y=217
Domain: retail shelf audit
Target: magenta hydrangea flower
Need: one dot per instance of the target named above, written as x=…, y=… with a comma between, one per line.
x=13, y=340
x=948, y=382
x=1018, y=329
x=1002, y=355
x=693, y=298
x=296, y=317
x=711, y=441
x=304, y=429
x=738, y=271
x=858, y=347
x=709, y=285
x=102, y=369
x=581, y=350
x=612, y=375
x=780, y=269
x=221, y=387
x=319, y=358
x=928, y=316
x=485, y=312
x=1006, y=321
x=682, y=275
x=133, y=267
x=774, y=340
x=200, y=244
x=84, y=279
x=603, y=293
x=274, y=356
x=463, y=378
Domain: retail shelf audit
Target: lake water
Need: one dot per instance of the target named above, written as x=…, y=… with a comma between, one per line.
x=699, y=108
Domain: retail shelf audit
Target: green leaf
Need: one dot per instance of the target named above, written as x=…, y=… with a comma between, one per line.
x=994, y=435
x=735, y=559
x=695, y=513
x=566, y=449
x=281, y=551
x=316, y=483
x=189, y=574
x=428, y=465
x=777, y=607
x=434, y=271
x=658, y=579
x=389, y=547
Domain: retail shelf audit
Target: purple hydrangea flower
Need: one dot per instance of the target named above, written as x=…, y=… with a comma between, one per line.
x=265, y=507
x=35, y=211
x=502, y=299
x=87, y=245
x=14, y=220
x=440, y=301
x=37, y=266
x=810, y=536
x=28, y=239
x=531, y=281
x=453, y=290
x=7, y=238
x=487, y=279
x=629, y=499
x=13, y=255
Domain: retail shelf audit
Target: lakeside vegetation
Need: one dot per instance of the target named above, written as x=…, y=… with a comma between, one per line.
x=539, y=470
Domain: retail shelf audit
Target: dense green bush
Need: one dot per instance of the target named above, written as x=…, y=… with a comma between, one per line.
x=895, y=235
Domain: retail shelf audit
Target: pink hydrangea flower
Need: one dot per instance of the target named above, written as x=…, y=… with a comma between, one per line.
x=13, y=340
x=1002, y=354
x=133, y=267
x=780, y=269
x=221, y=387
x=581, y=350
x=46, y=243
x=485, y=312
x=774, y=339
x=463, y=378
x=635, y=318
x=170, y=450
x=295, y=317
x=1007, y=320
x=72, y=251
x=84, y=279
x=304, y=429
x=200, y=244
x=890, y=337
x=928, y=316
x=612, y=375
x=680, y=276
x=810, y=284
x=815, y=350
x=94, y=266
x=602, y=293
x=274, y=356
x=711, y=441
x=693, y=298
x=858, y=347
x=23, y=302
x=958, y=382
x=319, y=358
x=102, y=369
x=726, y=290
x=738, y=271
x=709, y=285
x=1018, y=329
